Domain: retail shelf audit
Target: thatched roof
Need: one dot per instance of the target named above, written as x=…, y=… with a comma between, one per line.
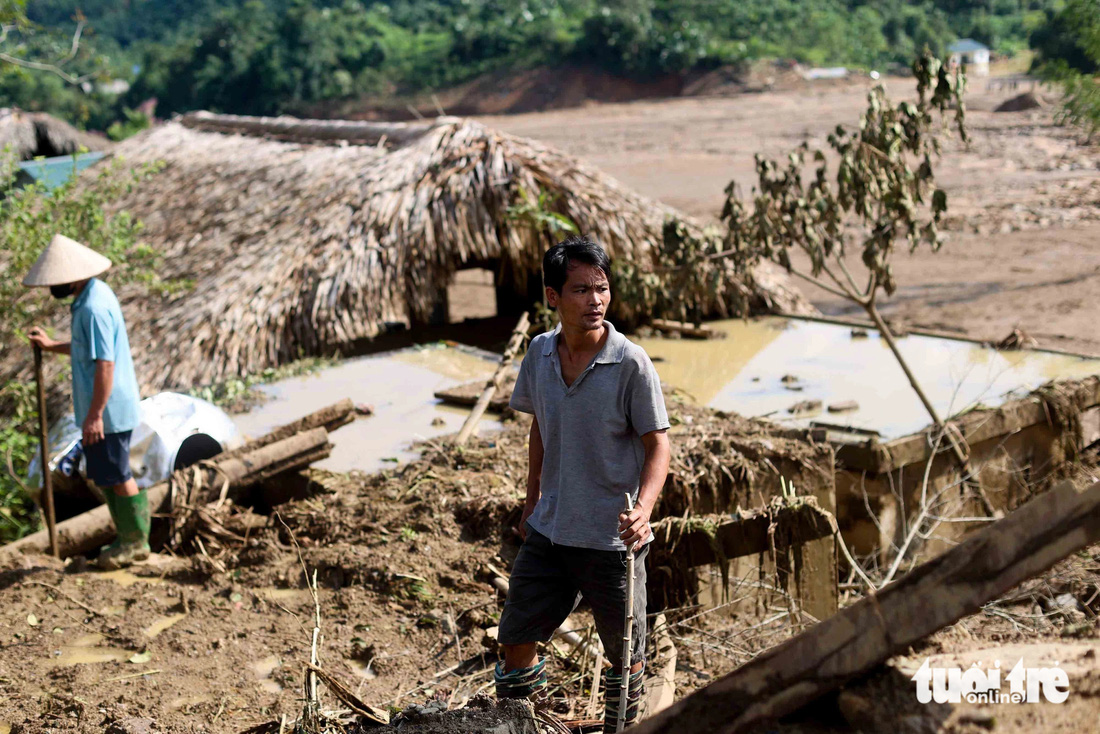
x=299, y=246
x=32, y=134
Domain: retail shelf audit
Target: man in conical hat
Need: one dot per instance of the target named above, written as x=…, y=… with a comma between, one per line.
x=105, y=391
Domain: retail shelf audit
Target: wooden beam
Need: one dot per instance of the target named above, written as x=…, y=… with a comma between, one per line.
x=855, y=640
x=686, y=330
x=356, y=132
x=519, y=335
x=701, y=540
x=975, y=427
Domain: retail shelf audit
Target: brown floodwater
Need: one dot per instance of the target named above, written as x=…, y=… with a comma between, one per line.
x=88, y=650
x=400, y=387
x=162, y=624
x=825, y=362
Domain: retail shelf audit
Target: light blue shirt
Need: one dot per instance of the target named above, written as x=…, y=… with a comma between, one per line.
x=99, y=334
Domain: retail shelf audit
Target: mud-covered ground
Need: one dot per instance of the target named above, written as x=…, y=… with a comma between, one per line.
x=215, y=639
x=1024, y=196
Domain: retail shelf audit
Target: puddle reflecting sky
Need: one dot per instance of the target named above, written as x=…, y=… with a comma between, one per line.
x=400, y=385
x=743, y=373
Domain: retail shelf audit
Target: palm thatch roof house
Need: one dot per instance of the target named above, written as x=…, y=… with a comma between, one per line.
x=307, y=237
x=32, y=134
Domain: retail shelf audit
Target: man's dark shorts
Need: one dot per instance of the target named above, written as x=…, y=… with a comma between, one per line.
x=548, y=582
x=109, y=460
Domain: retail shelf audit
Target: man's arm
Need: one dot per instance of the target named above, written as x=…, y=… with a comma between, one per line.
x=634, y=527
x=534, y=476
x=38, y=337
x=101, y=390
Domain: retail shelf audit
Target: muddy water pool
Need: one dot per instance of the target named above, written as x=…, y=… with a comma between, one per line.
x=398, y=385
x=833, y=364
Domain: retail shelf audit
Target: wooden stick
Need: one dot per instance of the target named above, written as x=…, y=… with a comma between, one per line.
x=133, y=675
x=593, y=699
x=44, y=454
x=628, y=631
x=59, y=592
x=518, y=335
x=312, y=675
x=855, y=640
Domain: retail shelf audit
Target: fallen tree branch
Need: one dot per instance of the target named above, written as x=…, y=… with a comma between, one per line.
x=59, y=592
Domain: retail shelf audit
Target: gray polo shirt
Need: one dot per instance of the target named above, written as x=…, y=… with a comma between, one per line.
x=591, y=436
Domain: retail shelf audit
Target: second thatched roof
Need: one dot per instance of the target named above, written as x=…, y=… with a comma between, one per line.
x=304, y=237
x=32, y=134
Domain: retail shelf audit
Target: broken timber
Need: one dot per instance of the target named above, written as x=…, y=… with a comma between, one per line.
x=92, y=529
x=855, y=640
x=686, y=330
x=293, y=446
x=519, y=334
x=714, y=538
x=467, y=394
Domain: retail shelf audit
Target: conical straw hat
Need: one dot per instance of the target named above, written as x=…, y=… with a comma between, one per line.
x=65, y=261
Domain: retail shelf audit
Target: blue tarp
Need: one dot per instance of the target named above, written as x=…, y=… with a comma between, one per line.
x=55, y=171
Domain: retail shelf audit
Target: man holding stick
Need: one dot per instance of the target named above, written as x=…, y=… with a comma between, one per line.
x=599, y=433
x=105, y=391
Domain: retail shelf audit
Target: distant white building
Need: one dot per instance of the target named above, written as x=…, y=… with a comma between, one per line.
x=970, y=55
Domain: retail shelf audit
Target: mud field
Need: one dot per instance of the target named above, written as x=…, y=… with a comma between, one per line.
x=1024, y=198
x=216, y=637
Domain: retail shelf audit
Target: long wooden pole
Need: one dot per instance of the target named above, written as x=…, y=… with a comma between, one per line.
x=518, y=335
x=44, y=455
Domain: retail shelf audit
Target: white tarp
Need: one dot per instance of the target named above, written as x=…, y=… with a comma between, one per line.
x=167, y=420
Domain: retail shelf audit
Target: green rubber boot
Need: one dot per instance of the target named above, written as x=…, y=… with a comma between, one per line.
x=109, y=500
x=132, y=518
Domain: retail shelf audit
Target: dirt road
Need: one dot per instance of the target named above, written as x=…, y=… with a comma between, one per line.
x=1024, y=198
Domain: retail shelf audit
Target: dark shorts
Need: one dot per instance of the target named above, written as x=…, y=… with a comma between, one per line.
x=548, y=582
x=109, y=460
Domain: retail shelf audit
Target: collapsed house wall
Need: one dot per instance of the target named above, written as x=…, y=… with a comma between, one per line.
x=1017, y=450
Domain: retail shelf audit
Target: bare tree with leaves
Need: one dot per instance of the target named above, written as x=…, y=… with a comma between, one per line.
x=882, y=193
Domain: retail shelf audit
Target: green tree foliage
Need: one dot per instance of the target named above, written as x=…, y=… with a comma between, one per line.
x=274, y=56
x=1068, y=46
x=29, y=217
x=880, y=192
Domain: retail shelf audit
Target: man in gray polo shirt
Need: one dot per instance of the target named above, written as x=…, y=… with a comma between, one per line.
x=599, y=433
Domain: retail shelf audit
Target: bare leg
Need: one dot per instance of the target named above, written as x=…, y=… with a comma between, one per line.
x=128, y=488
x=517, y=657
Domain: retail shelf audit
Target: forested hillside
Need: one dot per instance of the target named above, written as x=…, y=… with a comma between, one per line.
x=271, y=56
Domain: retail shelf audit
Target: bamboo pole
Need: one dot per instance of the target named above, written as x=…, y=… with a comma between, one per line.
x=44, y=454
x=628, y=632
x=518, y=335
